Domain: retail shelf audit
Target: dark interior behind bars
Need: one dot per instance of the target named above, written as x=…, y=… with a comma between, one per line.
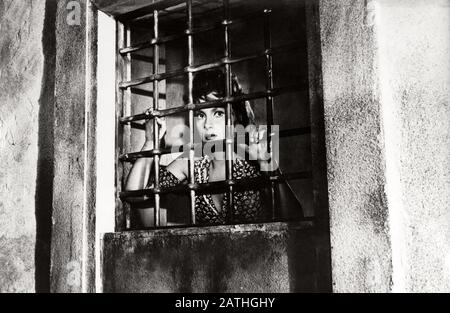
x=249, y=46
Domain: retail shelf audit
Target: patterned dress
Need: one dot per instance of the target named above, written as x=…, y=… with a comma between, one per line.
x=248, y=206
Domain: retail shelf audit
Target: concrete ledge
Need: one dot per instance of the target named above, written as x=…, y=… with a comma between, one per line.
x=273, y=257
x=207, y=230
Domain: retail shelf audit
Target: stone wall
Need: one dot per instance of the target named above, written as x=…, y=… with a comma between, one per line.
x=386, y=80
x=43, y=142
x=386, y=93
x=414, y=50
x=361, y=255
x=23, y=152
x=274, y=257
x=73, y=217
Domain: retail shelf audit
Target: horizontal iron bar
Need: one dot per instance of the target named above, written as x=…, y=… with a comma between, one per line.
x=187, y=32
x=137, y=125
x=238, y=185
x=147, y=59
x=143, y=92
x=224, y=61
x=152, y=78
x=150, y=43
x=209, y=104
x=130, y=157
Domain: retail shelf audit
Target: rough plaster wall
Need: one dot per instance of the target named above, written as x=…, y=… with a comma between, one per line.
x=361, y=255
x=21, y=71
x=414, y=62
x=274, y=257
x=72, y=241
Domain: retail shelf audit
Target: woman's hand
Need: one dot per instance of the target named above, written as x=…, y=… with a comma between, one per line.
x=140, y=172
x=258, y=148
x=161, y=122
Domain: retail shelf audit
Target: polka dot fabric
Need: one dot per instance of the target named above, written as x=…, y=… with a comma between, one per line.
x=247, y=204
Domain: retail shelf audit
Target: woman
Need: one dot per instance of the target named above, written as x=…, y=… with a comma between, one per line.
x=210, y=167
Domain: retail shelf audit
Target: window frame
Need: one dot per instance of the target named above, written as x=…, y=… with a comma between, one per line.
x=123, y=103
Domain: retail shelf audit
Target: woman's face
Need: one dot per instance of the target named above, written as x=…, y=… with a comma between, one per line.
x=210, y=123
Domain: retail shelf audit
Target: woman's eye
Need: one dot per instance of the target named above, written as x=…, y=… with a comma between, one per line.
x=219, y=113
x=199, y=115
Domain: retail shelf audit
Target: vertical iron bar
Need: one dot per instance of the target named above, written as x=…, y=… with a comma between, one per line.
x=191, y=112
x=229, y=125
x=127, y=128
x=269, y=100
x=155, y=123
x=123, y=132
x=121, y=206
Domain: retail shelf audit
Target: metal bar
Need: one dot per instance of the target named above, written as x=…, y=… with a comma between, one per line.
x=146, y=93
x=216, y=103
x=120, y=216
x=228, y=114
x=147, y=59
x=187, y=32
x=155, y=123
x=224, y=61
x=238, y=184
x=127, y=128
x=269, y=100
x=137, y=125
x=191, y=111
x=282, y=133
x=151, y=42
x=130, y=157
x=152, y=78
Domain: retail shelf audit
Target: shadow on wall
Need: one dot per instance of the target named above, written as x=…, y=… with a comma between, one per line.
x=44, y=180
x=314, y=245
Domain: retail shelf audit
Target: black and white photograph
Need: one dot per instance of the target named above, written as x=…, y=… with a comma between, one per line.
x=218, y=147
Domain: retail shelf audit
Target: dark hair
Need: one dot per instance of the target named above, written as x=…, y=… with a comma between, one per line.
x=213, y=81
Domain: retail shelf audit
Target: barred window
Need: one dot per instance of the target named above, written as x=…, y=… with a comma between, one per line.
x=181, y=64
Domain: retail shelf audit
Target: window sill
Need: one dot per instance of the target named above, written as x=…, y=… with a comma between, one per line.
x=206, y=230
x=269, y=257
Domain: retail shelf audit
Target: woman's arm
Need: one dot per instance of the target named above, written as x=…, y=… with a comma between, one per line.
x=139, y=175
x=140, y=172
x=288, y=204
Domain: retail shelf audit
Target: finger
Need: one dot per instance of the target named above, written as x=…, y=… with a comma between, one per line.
x=163, y=129
x=148, y=125
x=254, y=137
x=252, y=151
x=242, y=150
x=243, y=146
x=261, y=134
